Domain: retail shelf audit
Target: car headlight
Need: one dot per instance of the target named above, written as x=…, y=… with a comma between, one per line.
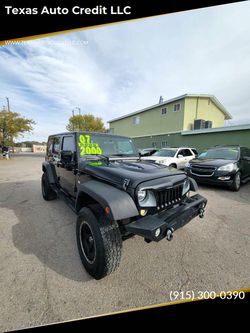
x=228, y=167
x=160, y=161
x=187, y=165
x=186, y=186
x=141, y=195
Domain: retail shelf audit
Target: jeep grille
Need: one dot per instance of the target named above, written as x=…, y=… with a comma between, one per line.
x=169, y=197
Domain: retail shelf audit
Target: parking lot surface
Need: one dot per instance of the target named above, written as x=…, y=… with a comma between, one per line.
x=41, y=276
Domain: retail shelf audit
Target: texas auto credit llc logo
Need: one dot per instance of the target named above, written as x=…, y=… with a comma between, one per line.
x=76, y=10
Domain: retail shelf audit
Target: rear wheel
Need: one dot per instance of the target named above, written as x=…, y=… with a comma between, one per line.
x=236, y=182
x=47, y=192
x=99, y=243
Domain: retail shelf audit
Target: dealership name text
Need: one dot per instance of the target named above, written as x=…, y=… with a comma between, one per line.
x=76, y=10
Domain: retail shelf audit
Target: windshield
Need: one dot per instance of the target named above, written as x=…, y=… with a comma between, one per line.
x=165, y=152
x=102, y=144
x=220, y=153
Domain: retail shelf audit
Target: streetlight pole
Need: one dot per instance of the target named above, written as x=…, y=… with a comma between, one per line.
x=79, y=110
x=73, y=115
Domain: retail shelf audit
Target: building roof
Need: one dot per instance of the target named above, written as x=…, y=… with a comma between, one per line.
x=218, y=129
x=212, y=97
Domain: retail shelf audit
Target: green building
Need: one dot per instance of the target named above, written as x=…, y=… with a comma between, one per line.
x=187, y=120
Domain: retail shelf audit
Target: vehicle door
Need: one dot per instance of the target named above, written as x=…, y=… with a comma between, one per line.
x=182, y=159
x=68, y=164
x=245, y=161
x=189, y=155
x=53, y=150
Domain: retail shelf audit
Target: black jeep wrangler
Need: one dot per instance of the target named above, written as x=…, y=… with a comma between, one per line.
x=115, y=194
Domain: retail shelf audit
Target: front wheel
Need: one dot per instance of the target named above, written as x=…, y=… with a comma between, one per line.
x=236, y=182
x=99, y=243
x=172, y=165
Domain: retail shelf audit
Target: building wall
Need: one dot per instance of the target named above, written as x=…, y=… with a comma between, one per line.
x=22, y=149
x=199, y=141
x=201, y=108
x=39, y=148
x=151, y=122
x=154, y=122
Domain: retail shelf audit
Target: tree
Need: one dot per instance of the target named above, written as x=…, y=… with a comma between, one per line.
x=12, y=124
x=86, y=122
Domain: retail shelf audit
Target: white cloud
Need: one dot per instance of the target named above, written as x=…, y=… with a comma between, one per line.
x=118, y=69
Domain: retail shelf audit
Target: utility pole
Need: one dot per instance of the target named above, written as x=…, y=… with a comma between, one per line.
x=8, y=104
x=73, y=114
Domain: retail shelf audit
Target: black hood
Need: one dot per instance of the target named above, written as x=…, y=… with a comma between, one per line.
x=211, y=162
x=126, y=173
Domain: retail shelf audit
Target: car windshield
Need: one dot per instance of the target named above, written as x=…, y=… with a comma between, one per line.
x=103, y=144
x=165, y=152
x=220, y=153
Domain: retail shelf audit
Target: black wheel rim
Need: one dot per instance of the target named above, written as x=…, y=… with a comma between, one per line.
x=87, y=242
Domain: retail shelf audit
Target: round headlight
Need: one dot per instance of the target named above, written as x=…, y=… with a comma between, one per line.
x=141, y=195
x=186, y=186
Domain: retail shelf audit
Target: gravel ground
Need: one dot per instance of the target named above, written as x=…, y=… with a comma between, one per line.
x=42, y=279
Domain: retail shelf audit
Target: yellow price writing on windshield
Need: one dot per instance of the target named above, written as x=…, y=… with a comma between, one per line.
x=87, y=147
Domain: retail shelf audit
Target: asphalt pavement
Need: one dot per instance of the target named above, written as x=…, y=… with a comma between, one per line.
x=42, y=279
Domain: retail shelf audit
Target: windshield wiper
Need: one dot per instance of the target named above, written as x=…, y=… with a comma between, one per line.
x=126, y=156
x=97, y=157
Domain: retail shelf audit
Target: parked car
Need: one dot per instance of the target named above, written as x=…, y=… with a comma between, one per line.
x=174, y=157
x=221, y=165
x=194, y=150
x=148, y=151
x=115, y=195
x=6, y=152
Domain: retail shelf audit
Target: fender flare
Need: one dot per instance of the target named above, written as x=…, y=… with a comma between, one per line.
x=50, y=171
x=193, y=185
x=120, y=203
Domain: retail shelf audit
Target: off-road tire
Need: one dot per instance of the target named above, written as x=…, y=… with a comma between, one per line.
x=236, y=182
x=107, y=243
x=47, y=192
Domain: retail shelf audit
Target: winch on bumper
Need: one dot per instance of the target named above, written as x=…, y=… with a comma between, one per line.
x=162, y=225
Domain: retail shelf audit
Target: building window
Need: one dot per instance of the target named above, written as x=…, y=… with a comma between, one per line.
x=136, y=120
x=164, y=144
x=164, y=111
x=154, y=144
x=177, y=107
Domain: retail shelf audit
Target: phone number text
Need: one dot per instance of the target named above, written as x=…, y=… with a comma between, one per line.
x=192, y=295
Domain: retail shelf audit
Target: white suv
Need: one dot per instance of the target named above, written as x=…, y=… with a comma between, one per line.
x=175, y=157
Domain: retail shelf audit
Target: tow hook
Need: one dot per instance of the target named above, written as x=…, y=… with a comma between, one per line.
x=169, y=234
x=201, y=212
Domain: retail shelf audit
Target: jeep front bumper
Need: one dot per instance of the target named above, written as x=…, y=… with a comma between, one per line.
x=162, y=225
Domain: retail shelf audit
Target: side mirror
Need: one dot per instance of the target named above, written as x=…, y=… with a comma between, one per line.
x=180, y=156
x=66, y=156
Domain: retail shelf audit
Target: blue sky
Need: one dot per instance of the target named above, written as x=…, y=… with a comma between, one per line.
x=114, y=70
